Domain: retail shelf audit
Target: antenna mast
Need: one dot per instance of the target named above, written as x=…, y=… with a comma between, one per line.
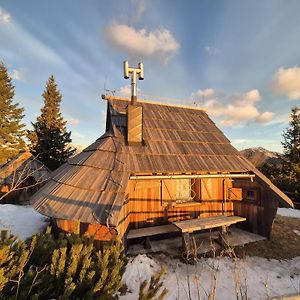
x=134, y=72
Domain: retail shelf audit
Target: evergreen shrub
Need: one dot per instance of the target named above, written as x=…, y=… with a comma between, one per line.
x=69, y=267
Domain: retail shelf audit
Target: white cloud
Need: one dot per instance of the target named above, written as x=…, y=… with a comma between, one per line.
x=159, y=43
x=138, y=8
x=236, y=115
x=17, y=74
x=73, y=121
x=207, y=93
x=287, y=82
x=17, y=37
x=214, y=107
x=238, y=109
x=265, y=117
x=240, y=141
x=211, y=50
x=126, y=90
x=77, y=134
x=5, y=17
x=246, y=98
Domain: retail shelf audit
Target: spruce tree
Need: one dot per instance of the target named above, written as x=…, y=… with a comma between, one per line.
x=11, y=126
x=50, y=139
x=291, y=143
x=286, y=175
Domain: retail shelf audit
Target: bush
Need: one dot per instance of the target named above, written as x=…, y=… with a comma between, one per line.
x=153, y=290
x=65, y=268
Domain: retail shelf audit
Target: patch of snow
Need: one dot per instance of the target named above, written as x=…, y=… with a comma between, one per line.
x=258, y=278
x=22, y=221
x=297, y=232
x=288, y=212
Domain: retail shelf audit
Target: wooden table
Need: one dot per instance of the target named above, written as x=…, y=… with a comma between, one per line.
x=189, y=226
x=207, y=223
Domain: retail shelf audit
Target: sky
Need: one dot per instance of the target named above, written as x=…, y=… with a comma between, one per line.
x=239, y=60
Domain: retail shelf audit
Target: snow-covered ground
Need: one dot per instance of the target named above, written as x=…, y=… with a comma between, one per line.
x=259, y=277
x=256, y=277
x=22, y=221
x=289, y=212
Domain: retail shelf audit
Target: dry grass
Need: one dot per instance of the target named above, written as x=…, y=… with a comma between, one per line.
x=284, y=242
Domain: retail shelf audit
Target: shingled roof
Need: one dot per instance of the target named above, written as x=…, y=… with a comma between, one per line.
x=91, y=186
x=21, y=167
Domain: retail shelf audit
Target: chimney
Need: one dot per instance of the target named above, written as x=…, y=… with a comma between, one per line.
x=134, y=111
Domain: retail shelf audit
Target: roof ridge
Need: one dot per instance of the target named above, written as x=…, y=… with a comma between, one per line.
x=117, y=98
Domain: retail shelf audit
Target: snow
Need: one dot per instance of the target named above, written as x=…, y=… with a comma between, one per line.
x=297, y=232
x=254, y=277
x=22, y=221
x=251, y=277
x=289, y=212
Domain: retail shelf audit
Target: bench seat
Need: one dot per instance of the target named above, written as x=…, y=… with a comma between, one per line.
x=149, y=231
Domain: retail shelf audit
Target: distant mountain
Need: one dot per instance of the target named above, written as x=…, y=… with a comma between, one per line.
x=260, y=156
x=79, y=148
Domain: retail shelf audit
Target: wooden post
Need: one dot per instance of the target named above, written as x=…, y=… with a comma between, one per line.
x=161, y=193
x=147, y=243
x=186, y=247
x=222, y=236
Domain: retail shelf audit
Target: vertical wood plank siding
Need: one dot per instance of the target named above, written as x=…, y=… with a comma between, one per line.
x=145, y=206
x=260, y=211
x=153, y=202
x=98, y=231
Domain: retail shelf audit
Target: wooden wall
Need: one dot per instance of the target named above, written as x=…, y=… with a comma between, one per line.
x=22, y=194
x=101, y=233
x=153, y=202
x=260, y=211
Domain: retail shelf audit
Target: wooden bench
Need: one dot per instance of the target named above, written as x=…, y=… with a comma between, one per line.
x=149, y=231
x=186, y=227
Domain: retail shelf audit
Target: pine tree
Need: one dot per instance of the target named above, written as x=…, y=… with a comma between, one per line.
x=50, y=139
x=154, y=289
x=69, y=267
x=291, y=144
x=286, y=176
x=11, y=128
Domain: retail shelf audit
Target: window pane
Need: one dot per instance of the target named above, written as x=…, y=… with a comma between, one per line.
x=183, y=189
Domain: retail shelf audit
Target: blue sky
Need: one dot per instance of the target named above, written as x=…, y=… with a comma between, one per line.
x=240, y=60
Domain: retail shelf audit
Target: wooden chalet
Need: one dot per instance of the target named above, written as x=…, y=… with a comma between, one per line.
x=21, y=177
x=158, y=168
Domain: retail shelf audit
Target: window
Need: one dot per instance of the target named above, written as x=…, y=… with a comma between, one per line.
x=250, y=195
x=183, y=190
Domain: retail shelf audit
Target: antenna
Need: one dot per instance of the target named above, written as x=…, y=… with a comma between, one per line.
x=109, y=91
x=134, y=72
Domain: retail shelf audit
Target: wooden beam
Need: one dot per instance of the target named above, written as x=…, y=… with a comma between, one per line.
x=117, y=98
x=191, y=176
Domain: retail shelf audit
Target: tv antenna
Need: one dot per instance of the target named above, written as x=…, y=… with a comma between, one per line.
x=108, y=91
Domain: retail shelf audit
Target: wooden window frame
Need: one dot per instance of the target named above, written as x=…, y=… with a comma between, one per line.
x=189, y=199
x=256, y=191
